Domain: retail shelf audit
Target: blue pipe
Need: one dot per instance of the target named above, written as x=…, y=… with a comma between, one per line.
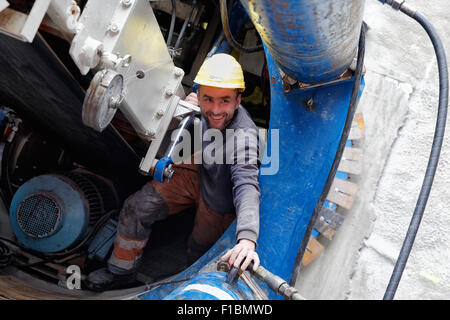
x=313, y=41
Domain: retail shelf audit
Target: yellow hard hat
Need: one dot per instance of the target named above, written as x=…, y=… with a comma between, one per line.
x=221, y=70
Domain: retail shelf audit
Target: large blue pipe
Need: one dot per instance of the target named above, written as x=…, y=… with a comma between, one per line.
x=312, y=41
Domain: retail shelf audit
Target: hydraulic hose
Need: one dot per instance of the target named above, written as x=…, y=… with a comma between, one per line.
x=229, y=35
x=435, y=148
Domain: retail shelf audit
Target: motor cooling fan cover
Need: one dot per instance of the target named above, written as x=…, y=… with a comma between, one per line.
x=48, y=213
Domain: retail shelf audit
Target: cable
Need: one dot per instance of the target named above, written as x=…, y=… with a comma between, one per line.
x=227, y=31
x=337, y=159
x=435, y=148
x=172, y=23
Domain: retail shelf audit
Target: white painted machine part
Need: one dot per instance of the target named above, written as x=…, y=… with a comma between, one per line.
x=65, y=14
x=124, y=36
x=3, y=4
x=24, y=27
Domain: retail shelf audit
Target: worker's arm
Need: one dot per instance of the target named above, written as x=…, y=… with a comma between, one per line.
x=246, y=194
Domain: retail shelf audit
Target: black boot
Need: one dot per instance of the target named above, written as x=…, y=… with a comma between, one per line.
x=194, y=250
x=103, y=279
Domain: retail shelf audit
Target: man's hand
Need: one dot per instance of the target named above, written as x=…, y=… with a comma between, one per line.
x=245, y=249
x=192, y=98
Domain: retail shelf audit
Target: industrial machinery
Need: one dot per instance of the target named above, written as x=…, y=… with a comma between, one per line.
x=103, y=83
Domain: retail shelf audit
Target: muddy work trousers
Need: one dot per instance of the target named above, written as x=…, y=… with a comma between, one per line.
x=156, y=201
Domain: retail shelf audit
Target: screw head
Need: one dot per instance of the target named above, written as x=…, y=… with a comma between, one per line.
x=178, y=73
x=114, y=28
x=127, y=3
x=160, y=113
x=150, y=133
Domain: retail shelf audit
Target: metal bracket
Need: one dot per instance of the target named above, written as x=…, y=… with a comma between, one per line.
x=185, y=108
x=148, y=162
x=162, y=168
x=21, y=26
x=3, y=4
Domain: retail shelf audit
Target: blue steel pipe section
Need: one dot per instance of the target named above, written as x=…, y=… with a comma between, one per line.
x=313, y=41
x=211, y=285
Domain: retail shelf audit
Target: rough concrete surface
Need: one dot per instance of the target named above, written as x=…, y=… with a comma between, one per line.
x=399, y=105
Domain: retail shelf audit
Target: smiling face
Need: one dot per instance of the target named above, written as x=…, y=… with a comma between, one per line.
x=218, y=105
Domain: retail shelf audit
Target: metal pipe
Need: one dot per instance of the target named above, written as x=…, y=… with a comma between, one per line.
x=312, y=41
x=172, y=23
x=183, y=125
x=277, y=284
x=163, y=169
x=216, y=45
x=186, y=21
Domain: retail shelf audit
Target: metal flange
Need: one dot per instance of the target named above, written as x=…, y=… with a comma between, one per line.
x=103, y=97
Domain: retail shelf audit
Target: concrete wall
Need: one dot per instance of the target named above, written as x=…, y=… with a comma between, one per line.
x=400, y=107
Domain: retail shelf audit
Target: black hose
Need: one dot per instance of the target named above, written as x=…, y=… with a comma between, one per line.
x=434, y=154
x=337, y=159
x=186, y=21
x=227, y=31
x=172, y=23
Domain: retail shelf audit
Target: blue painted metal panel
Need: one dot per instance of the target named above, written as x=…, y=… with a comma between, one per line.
x=308, y=141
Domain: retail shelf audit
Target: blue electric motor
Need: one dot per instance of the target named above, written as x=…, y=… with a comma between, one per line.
x=53, y=212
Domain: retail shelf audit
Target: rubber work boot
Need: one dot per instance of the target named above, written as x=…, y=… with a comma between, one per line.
x=194, y=250
x=103, y=279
